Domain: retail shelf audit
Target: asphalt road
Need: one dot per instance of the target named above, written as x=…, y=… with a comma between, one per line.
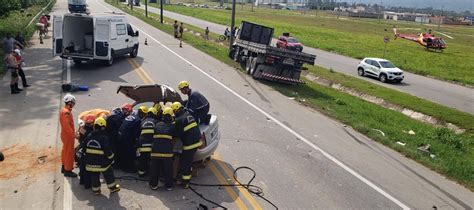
x=445, y=93
x=303, y=159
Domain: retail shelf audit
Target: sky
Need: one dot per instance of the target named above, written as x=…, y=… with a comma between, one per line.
x=455, y=5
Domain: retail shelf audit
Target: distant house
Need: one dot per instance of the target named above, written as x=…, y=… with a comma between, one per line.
x=392, y=15
x=438, y=20
x=422, y=18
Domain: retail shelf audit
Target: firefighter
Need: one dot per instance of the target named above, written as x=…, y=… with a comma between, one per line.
x=68, y=135
x=114, y=121
x=128, y=134
x=162, y=151
x=188, y=131
x=197, y=104
x=84, y=131
x=99, y=157
x=146, y=139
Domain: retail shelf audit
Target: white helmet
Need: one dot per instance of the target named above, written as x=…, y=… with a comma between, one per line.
x=69, y=98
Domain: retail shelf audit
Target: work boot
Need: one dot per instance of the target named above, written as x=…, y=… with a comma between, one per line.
x=14, y=91
x=153, y=187
x=26, y=85
x=115, y=188
x=70, y=174
x=97, y=192
x=17, y=88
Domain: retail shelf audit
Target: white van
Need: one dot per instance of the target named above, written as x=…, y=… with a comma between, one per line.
x=83, y=37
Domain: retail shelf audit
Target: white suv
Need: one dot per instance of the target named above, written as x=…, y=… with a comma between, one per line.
x=383, y=69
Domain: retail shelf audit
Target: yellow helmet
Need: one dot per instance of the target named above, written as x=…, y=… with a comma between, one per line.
x=157, y=106
x=152, y=110
x=168, y=111
x=100, y=122
x=175, y=106
x=143, y=109
x=183, y=84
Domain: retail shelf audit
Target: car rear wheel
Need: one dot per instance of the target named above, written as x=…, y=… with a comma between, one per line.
x=360, y=72
x=383, y=78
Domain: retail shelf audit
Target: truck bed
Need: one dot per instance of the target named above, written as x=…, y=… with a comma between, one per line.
x=270, y=50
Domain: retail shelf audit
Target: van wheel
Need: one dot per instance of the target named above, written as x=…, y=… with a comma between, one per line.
x=134, y=52
x=111, y=60
x=383, y=78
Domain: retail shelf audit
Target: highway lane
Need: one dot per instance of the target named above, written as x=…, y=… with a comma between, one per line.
x=335, y=168
x=445, y=93
x=285, y=165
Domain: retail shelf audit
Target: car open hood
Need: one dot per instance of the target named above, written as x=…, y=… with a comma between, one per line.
x=150, y=93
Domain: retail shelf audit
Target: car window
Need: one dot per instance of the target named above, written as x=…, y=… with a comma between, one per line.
x=292, y=40
x=386, y=64
x=130, y=30
x=376, y=64
x=368, y=61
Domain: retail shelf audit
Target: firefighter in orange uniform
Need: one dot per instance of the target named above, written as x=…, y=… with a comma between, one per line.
x=68, y=135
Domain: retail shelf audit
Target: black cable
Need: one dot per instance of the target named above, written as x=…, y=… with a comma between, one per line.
x=249, y=186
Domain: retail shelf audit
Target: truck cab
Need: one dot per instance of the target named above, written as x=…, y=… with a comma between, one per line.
x=77, y=6
x=102, y=37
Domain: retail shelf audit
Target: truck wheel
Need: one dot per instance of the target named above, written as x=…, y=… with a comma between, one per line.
x=248, y=64
x=134, y=52
x=253, y=66
x=236, y=55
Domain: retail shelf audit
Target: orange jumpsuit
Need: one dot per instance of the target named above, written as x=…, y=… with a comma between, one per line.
x=67, y=137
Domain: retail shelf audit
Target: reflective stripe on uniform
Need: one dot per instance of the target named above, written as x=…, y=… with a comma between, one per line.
x=161, y=155
x=96, y=169
x=95, y=189
x=162, y=136
x=141, y=172
x=186, y=177
x=147, y=145
x=111, y=156
x=111, y=185
x=192, y=146
x=144, y=149
x=94, y=151
x=147, y=131
x=191, y=125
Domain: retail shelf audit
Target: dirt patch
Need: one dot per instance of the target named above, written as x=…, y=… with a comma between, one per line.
x=31, y=163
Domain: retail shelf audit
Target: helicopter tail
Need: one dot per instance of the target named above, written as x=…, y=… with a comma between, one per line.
x=395, y=32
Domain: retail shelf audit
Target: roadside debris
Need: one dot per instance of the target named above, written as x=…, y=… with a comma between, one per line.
x=42, y=159
x=401, y=143
x=411, y=132
x=381, y=132
x=424, y=148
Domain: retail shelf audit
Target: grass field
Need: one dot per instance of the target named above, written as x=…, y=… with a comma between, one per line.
x=360, y=38
x=454, y=153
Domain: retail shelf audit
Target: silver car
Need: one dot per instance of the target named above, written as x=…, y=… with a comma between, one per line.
x=149, y=95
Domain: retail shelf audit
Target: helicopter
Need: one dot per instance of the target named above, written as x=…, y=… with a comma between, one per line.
x=427, y=40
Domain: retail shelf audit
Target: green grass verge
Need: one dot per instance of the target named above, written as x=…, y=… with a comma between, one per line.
x=454, y=153
x=17, y=21
x=359, y=38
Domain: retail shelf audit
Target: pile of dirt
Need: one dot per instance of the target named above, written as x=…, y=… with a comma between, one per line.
x=24, y=161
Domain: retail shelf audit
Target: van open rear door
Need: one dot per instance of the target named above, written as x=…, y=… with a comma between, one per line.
x=101, y=36
x=57, y=35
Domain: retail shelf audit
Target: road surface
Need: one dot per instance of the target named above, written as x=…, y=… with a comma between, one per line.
x=444, y=93
x=303, y=159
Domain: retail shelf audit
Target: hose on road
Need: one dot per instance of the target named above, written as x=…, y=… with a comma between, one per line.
x=256, y=190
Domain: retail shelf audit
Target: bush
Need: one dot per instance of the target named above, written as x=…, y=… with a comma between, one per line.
x=8, y=5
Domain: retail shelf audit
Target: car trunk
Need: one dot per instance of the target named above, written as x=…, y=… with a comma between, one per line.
x=78, y=36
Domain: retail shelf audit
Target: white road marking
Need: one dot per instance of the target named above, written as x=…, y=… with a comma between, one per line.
x=297, y=135
x=67, y=198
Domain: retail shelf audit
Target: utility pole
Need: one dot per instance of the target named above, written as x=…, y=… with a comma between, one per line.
x=439, y=19
x=161, y=11
x=146, y=8
x=232, y=25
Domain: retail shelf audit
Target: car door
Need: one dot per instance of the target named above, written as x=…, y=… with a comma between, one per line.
x=376, y=67
x=131, y=37
x=101, y=39
x=368, y=66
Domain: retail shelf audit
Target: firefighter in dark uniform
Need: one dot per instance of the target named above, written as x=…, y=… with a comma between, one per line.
x=188, y=131
x=145, y=140
x=128, y=134
x=114, y=121
x=197, y=104
x=99, y=157
x=84, y=131
x=162, y=151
